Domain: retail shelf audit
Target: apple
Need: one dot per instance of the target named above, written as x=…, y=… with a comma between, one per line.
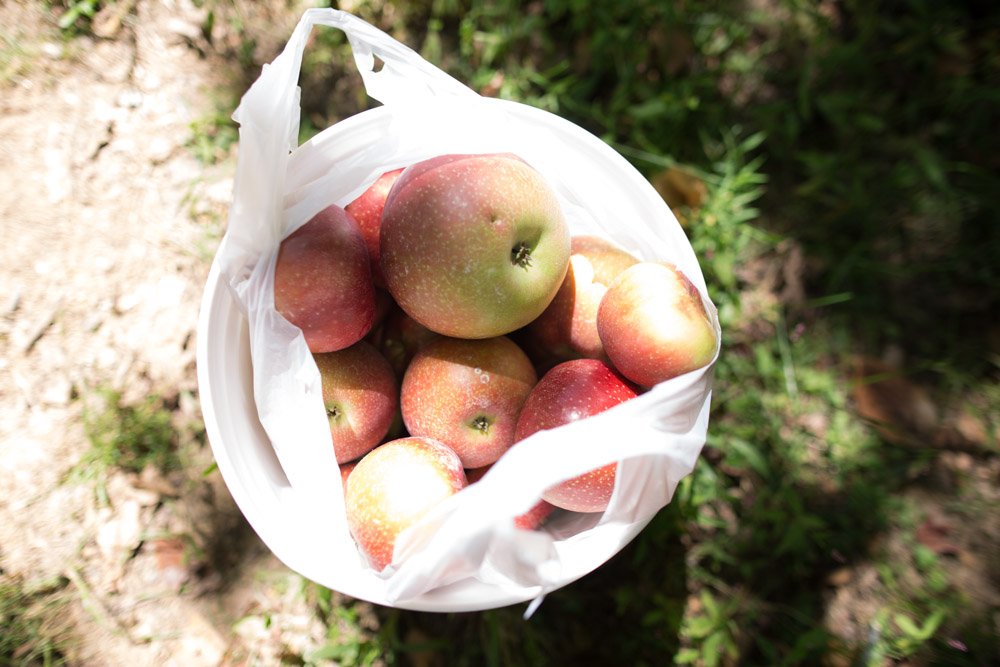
x=530, y=520
x=393, y=487
x=570, y=391
x=360, y=393
x=367, y=210
x=568, y=327
x=345, y=472
x=323, y=283
x=383, y=306
x=473, y=246
x=654, y=324
x=402, y=338
x=467, y=393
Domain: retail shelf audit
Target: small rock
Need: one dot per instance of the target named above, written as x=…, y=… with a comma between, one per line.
x=122, y=533
x=130, y=98
x=127, y=302
x=160, y=149
x=184, y=28
x=58, y=392
x=52, y=51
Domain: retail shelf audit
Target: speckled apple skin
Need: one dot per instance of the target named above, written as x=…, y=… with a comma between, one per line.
x=452, y=382
x=367, y=210
x=653, y=324
x=570, y=391
x=568, y=327
x=533, y=519
x=448, y=230
x=323, y=282
x=393, y=487
x=360, y=393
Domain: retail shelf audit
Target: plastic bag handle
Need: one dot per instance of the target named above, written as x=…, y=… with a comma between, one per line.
x=269, y=114
x=404, y=74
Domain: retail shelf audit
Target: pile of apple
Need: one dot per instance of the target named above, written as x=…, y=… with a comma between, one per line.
x=451, y=315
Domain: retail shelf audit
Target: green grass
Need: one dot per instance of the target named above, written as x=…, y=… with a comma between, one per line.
x=76, y=15
x=212, y=136
x=29, y=618
x=130, y=436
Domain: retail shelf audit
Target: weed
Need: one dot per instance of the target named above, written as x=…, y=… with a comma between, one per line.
x=29, y=616
x=77, y=15
x=14, y=58
x=349, y=642
x=127, y=437
x=212, y=136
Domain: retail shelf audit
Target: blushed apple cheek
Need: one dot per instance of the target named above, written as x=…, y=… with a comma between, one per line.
x=416, y=491
x=582, y=269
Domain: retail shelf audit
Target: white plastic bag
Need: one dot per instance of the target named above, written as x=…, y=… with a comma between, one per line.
x=466, y=554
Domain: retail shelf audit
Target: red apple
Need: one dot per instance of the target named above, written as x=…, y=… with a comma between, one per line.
x=383, y=306
x=473, y=246
x=467, y=394
x=574, y=390
x=360, y=393
x=367, y=210
x=345, y=472
x=654, y=325
x=530, y=520
x=568, y=327
x=393, y=487
x=323, y=283
x=402, y=338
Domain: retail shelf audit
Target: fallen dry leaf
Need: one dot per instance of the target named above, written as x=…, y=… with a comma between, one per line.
x=679, y=189
x=933, y=533
x=901, y=410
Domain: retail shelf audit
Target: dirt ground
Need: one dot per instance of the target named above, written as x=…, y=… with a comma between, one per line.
x=111, y=223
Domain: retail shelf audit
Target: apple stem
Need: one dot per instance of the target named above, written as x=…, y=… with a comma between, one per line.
x=520, y=255
x=482, y=424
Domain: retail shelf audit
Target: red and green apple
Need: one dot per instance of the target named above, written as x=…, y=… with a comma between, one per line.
x=468, y=394
x=654, y=325
x=473, y=246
